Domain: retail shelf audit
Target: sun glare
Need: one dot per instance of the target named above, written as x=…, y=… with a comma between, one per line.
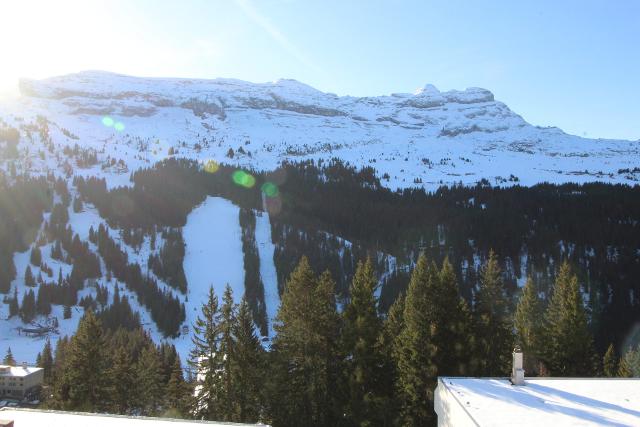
x=40, y=39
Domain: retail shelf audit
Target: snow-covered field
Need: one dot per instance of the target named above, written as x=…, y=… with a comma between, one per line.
x=213, y=257
x=268, y=273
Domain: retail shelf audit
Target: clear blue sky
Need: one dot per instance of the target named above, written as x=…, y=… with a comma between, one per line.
x=569, y=63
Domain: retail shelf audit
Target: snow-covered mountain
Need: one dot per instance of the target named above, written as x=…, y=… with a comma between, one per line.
x=109, y=125
x=428, y=138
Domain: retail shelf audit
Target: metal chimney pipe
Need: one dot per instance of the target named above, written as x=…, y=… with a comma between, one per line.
x=517, y=371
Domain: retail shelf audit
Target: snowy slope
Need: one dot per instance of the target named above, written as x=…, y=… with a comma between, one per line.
x=213, y=257
x=427, y=138
x=266, y=249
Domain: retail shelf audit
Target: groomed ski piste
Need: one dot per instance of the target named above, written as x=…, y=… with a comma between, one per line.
x=213, y=257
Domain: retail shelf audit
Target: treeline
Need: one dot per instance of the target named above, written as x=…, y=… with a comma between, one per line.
x=359, y=367
x=324, y=251
x=253, y=285
x=117, y=371
x=166, y=309
x=168, y=264
x=22, y=204
x=595, y=226
x=164, y=195
x=327, y=367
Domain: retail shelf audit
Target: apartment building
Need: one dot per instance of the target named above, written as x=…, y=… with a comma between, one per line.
x=16, y=382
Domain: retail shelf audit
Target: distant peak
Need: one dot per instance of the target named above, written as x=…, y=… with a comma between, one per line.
x=427, y=89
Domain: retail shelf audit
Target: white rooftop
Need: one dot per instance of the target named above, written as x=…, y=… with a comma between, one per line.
x=540, y=402
x=31, y=417
x=17, y=371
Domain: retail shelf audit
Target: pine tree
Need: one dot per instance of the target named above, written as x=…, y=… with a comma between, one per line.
x=149, y=380
x=29, y=280
x=528, y=322
x=43, y=304
x=9, y=359
x=414, y=354
x=363, y=361
x=84, y=379
x=450, y=325
x=123, y=382
x=493, y=324
x=46, y=362
x=435, y=340
x=569, y=350
x=28, y=307
x=624, y=370
x=176, y=391
x=388, y=346
x=77, y=204
x=14, y=306
x=305, y=355
x=247, y=367
x=629, y=366
x=205, y=359
x=610, y=363
x=36, y=256
x=328, y=355
x=66, y=312
x=227, y=351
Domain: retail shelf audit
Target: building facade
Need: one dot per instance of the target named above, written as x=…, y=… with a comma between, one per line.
x=18, y=382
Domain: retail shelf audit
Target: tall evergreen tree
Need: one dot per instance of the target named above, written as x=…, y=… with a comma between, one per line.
x=388, y=347
x=28, y=307
x=123, y=382
x=248, y=368
x=149, y=380
x=528, y=322
x=493, y=323
x=29, y=280
x=569, y=344
x=450, y=325
x=610, y=362
x=43, y=302
x=416, y=368
x=84, y=382
x=227, y=351
x=177, y=389
x=46, y=362
x=59, y=361
x=305, y=358
x=36, y=256
x=205, y=359
x=629, y=365
x=14, y=306
x=363, y=361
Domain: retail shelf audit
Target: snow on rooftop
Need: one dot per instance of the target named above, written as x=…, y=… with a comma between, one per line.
x=18, y=371
x=29, y=417
x=540, y=402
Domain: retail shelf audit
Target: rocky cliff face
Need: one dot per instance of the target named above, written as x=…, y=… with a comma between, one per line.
x=425, y=139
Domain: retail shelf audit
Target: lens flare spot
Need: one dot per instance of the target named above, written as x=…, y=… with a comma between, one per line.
x=119, y=126
x=243, y=179
x=107, y=121
x=270, y=189
x=211, y=166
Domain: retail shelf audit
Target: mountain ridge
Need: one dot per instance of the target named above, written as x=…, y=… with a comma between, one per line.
x=425, y=139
